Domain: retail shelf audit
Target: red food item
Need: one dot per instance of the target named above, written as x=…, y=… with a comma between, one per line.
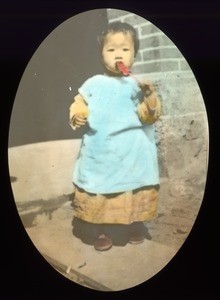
x=122, y=68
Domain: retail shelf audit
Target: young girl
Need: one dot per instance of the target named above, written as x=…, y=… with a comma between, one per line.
x=115, y=176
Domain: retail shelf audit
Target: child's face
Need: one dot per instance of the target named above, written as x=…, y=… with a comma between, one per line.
x=118, y=47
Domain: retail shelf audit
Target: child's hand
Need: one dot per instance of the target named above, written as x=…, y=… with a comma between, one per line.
x=147, y=87
x=79, y=120
x=150, y=96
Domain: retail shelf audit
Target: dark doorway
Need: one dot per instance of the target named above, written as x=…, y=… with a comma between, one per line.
x=63, y=61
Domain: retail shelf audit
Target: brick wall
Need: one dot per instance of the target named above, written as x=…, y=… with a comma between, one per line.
x=157, y=52
x=182, y=131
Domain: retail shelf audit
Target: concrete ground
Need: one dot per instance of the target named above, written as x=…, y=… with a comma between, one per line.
x=41, y=182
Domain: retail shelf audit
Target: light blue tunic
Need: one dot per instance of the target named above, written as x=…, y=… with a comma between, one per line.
x=118, y=153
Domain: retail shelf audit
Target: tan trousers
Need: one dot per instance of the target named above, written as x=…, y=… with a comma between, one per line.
x=121, y=208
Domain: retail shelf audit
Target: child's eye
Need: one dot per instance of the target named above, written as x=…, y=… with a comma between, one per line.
x=111, y=50
x=126, y=49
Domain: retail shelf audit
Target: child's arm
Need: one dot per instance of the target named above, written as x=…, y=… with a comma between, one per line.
x=149, y=110
x=78, y=112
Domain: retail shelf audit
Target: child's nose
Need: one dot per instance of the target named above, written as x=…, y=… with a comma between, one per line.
x=118, y=54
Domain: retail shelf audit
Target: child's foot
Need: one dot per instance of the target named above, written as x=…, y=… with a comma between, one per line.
x=137, y=233
x=136, y=239
x=102, y=243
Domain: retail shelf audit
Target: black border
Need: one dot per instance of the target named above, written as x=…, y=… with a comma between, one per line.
x=194, y=28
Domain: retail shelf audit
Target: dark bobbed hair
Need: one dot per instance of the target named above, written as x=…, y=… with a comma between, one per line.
x=118, y=26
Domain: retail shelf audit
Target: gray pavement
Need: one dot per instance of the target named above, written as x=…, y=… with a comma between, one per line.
x=41, y=186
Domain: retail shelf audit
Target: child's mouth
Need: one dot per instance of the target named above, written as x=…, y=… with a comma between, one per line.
x=122, y=68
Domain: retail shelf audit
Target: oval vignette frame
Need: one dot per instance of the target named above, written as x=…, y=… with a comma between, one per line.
x=42, y=149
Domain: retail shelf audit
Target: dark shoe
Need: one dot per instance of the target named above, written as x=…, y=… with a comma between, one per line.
x=137, y=233
x=136, y=239
x=103, y=243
